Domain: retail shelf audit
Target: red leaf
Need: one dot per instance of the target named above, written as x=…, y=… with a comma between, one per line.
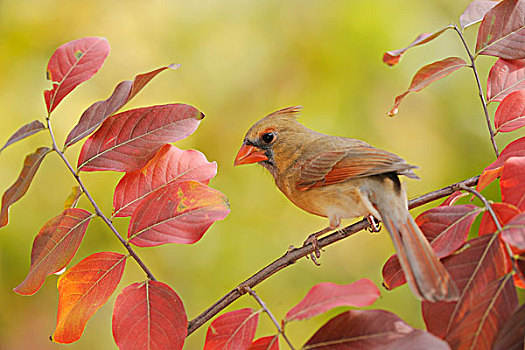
x=371, y=329
x=266, y=343
x=504, y=78
x=325, y=296
x=178, y=213
x=490, y=173
x=475, y=12
x=72, y=64
x=504, y=212
x=482, y=260
x=392, y=57
x=451, y=200
x=99, y=111
x=502, y=31
x=446, y=227
x=512, y=334
x=427, y=75
x=169, y=165
x=232, y=330
x=149, y=315
x=519, y=268
x=128, y=140
x=21, y=185
x=512, y=182
x=493, y=306
x=25, y=131
x=54, y=247
x=510, y=114
x=514, y=233
x=82, y=290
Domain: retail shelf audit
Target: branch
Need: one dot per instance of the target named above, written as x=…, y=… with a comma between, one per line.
x=294, y=254
x=269, y=313
x=480, y=90
x=96, y=207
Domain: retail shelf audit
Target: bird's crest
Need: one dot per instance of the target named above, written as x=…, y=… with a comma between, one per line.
x=290, y=112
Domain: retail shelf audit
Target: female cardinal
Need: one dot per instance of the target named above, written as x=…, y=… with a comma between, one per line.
x=338, y=178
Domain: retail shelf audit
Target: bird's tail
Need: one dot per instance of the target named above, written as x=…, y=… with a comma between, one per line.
x=425, y=274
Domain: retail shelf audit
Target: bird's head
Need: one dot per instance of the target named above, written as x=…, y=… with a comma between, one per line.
x=270, y=139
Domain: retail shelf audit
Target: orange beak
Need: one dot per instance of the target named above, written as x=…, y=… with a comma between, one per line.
x=249, y=154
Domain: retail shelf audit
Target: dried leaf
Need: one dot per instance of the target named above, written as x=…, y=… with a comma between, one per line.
x=54, y=247
x=512, y=334
x=481, y=261
x=99, y=111
x=392, y=57
x=21, y=185
x=371, y=329
x=232, y=330
x=510, y=114
x=128, y=140
x=504, y=78
x=72, y=64
x=325, y=296
x=169, y=165
x=446, y=227
x=502, y=31
x=475, y=12
x=72, y=200
x=266, y=343
x=427, y=75
x=25, y=131
x=82, y=290
x=149, y=315
x=178, y=213
x=514, y=149
x=494, y=305
x=512, y=182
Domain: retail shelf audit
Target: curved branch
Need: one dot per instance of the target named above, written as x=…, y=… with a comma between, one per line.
x=294, y=254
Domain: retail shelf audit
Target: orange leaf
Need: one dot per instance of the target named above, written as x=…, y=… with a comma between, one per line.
x=54, y=247
x=266, y=343
x=82, y=290
x=72, y=64
x=514, y=149
x=504, y=213
x=21, y=185
x=427, y=75
x=513, y=182
x=178, y=213
x=149, y=315
x=169, y=165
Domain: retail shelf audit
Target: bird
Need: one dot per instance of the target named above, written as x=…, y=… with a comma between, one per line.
x=338, y=178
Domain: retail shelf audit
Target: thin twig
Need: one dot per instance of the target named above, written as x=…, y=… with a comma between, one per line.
x=95, y=205
x=487, y=205
x=269, y=313
x=480, y=90
x=294, y=254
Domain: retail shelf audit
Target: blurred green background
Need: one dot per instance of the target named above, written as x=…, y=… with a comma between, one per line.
x=240, y=61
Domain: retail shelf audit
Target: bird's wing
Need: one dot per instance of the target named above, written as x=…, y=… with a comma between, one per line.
x=335, y=166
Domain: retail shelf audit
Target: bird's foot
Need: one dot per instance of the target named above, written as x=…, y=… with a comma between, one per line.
x=312, y=239
x=375, y=225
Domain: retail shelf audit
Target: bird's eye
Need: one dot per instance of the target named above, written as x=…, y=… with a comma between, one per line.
x=268, y=137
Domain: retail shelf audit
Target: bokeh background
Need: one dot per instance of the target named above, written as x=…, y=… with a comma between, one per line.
x=240, y=61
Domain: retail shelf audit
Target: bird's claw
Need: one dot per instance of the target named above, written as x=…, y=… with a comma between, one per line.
x=316, y=254
x=375, y=225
